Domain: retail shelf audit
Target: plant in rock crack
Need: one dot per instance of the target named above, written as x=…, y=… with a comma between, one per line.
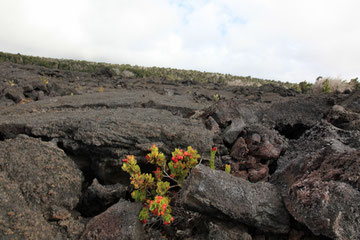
x=152, y=189
x=212, y=158
x=44, y=80
x=11, y=83
x=228, y=168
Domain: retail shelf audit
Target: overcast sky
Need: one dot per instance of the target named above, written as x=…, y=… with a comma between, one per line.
x=286, y=40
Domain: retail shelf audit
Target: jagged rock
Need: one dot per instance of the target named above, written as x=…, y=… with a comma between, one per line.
x=36, y=177
x=218, y=193
x=18, y=220
x=327, y=208
x=15, y=94
x=258, y=173
x=352, y=103
x=306, y=110
x=98, y=198
x=232, y=132
x=316, y=172
x=109, y=170
x=255, y=138
x=212, y=125
x=264, y=143
x=56, y=89
x=249, y=162
x=239, y=150
x=267, y=151
x=259, y=142
x=241, y=174
x=59, y=213
x=112, y=126
x=254, y=152
x=227, y=231
x=319, y=181
x=40, y=95
x=344, y=119
x=227, y=111
x=295, y=235
x=120, y=221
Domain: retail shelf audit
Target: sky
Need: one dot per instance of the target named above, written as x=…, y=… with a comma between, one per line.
x=285, y=40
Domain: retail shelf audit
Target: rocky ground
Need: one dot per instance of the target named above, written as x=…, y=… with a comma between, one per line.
x=295, y=159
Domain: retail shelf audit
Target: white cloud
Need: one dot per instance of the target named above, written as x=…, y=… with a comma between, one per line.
x=280, y=39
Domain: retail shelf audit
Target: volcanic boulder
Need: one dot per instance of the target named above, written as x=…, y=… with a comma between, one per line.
x=37, y=177
x=319, y=181
x=120, y=221
x=217, y=193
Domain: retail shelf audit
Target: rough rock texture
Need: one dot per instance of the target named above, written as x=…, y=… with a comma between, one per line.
x=344, y=119
x=110, y=124
x=307, y=146
x=97, y=198
x=319, y=181
x=35, y=177
x=232, y=132
x=254, y=151
x=227, y=231
x=215, y=192
x=118, y=222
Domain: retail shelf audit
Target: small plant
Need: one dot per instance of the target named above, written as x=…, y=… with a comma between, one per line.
x=44, y=80
x=305, y=87
x=11, y=83
x=216, y=97
x=227, y=168
x=212, y=158
x=151, y=189
x=101, y=89
x=326, y=86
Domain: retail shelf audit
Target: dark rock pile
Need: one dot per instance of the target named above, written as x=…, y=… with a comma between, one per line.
x=295, y=159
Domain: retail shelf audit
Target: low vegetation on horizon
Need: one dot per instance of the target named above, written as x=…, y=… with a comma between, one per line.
x=326, y=85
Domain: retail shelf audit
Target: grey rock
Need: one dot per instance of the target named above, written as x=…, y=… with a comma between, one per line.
x=15, y=94
x=217, y=193
x=256, y=138
x=227, y=231
x=318, y=180
x=18, y=220
x=226, y=111
x=240, y=149
x=35, y=178
x=232, y=132
x=212, y=125
x=120, y=221
x=40, y=95
x=327, y=208
x=307, y=111
x=98, y=198
x=344, y=119
x=267, y=151
x=109, y=126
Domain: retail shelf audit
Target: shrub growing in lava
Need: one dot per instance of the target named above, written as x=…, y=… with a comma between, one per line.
x=152, y=189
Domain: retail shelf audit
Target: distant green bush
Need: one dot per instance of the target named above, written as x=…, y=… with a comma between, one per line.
x=305, y=87
x=326, y=86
